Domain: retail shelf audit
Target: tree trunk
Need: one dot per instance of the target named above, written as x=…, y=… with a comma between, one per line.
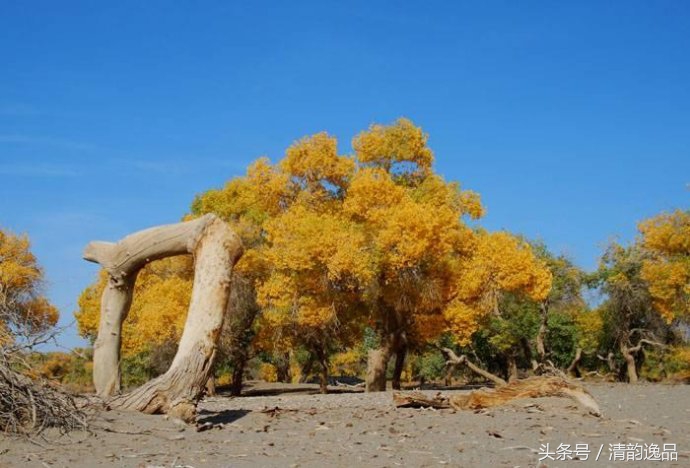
x=400, y=355
x=541, y=334
x=629, y=362
x=377, y=364
x=211, y=386
x=527, y=350
x=323, y=376
x=115, y=304
x=237, y=331
x=573, y=369
x=512, y=366
x=237, y=376
x=305, y=369
x=216, y=249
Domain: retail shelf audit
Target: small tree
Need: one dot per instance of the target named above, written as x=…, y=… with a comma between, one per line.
x=27, y=319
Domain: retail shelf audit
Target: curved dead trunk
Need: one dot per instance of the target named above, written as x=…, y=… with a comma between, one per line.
x=541, y=334
x=216, y=249
x=573, y=368
x=454, y=360
x=630, y=364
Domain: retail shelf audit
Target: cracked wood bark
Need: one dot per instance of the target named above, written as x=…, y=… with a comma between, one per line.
x=216, y=249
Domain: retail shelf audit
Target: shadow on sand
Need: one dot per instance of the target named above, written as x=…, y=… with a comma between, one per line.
x=220, y=417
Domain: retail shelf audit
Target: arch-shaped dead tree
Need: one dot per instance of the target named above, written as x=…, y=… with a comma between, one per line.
x=216, y=249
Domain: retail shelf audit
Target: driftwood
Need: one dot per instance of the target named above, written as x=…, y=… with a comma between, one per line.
x=420, y=400
x=533, y=387
x=216, y=248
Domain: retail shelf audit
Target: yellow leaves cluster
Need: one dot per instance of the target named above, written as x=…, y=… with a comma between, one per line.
x=19, y=270
x=315, y=159
x=333, y=242
x=669, y=286
x=667, y=270
x=502, y=262
x=21, y=303
x=347, y=363
x=372, y=195
x=386, y=145
x=463, y=320
x=590, y=325
x=668, y=233
x=159, y=309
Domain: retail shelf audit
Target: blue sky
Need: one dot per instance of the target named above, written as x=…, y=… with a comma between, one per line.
x=572, y=119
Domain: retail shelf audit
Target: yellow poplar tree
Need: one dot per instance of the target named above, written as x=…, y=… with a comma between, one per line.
x=416, y=237
x=667, y=270
x=24, y=312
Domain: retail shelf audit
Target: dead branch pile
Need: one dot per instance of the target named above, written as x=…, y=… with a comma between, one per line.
x=28, y=407
x=533, y=387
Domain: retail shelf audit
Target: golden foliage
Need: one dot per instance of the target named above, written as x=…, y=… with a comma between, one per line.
x=159, y=308
x=333, y=243
x=667, y=233
x=268, y=372
x=385, y=145
x=22, y=306
x=347, y=363
x=500, y=263
x=590, y=325
x=315, y=160
x=667, y=270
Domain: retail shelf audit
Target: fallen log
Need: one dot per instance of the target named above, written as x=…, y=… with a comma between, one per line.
x=533, y=387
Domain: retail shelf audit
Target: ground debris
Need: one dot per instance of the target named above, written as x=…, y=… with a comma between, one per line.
x=28, y=407
x=276, y=411
x=420, y=400
x=533, y=387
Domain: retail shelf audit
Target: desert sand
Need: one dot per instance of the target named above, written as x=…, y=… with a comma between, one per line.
x=291, y=426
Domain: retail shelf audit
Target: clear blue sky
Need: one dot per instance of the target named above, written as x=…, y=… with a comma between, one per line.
x=572, y=119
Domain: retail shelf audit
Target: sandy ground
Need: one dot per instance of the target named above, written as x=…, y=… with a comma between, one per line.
x=357, y=429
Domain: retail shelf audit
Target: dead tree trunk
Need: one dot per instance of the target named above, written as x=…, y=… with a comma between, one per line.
x=216, y=249
x=453, y=359
x=630, y=365
x=573, y=369
x=541, y=334
x=377, y=364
